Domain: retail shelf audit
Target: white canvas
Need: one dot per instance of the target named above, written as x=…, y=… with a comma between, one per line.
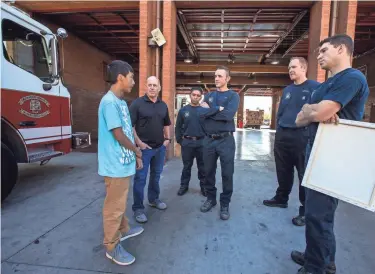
x=342, y=163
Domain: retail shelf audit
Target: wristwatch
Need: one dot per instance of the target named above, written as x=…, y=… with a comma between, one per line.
x=165, y=139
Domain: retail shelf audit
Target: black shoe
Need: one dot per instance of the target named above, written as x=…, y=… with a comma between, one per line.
x=208, y=204
x=182, y=190
x=302, y=270
x=224, y=213
x=203, y=192
x=299, y=258
x=299, y=220
x=275, y=203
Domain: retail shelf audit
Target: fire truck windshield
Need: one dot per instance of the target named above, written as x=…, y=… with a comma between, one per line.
x=26, y=49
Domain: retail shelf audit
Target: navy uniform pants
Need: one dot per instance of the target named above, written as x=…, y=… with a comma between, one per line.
x=320, y=237
x=191, y=149
x=289, y=152
x=223, y=148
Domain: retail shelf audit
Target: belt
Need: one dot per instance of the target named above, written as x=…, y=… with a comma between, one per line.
x=193, y=137
x=219, y=135
x=293, y=128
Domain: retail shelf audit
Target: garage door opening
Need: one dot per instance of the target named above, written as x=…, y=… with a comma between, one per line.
x=257, y=112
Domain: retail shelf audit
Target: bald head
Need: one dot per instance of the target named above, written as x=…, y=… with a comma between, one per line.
x=153, y=87
x=153, y=78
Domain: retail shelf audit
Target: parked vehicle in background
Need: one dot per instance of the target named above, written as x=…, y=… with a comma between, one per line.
x=253, y=118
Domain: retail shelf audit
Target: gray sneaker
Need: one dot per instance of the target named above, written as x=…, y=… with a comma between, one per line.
x=134, y=231
x=120, y=256
x=158, y=204
x=140, y=216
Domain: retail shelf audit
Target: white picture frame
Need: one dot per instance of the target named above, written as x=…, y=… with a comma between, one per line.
x=342, y=163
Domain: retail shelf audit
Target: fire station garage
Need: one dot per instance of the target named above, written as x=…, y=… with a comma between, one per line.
x=254, y=39
x=52, y=220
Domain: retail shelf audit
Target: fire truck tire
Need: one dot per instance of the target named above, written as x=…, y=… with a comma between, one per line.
x=9, y=171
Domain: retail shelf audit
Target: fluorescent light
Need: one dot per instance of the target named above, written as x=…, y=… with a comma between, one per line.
x=274, y=62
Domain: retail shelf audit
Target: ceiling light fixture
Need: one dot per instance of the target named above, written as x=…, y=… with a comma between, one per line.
x=274, y=62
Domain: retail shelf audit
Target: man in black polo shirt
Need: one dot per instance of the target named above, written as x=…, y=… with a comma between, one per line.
x=219, y=109
x=189, y=134
x=151, y=126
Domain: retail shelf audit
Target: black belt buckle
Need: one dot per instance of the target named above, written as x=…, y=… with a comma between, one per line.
x=219, y=136
x=193, y=138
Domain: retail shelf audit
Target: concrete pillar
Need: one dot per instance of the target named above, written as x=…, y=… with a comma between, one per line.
x=169, y=64
x=240, y=117
x=147, y=55
x=319, y=30
x=346, y=18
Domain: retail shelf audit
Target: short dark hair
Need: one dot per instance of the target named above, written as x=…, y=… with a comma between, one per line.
x=224, y=68
x=301, y=60
x=340, y=39
x=196, y=88
x=117, y=67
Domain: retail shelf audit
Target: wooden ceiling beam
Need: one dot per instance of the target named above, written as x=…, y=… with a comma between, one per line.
x=236, y=80
x=77, y=6
x=240, y=68
x=190, y=5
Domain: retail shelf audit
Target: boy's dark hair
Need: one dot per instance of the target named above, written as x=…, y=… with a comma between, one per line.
x=196, y=88
x=340, y=39
x=224, y=68
x=115, y=68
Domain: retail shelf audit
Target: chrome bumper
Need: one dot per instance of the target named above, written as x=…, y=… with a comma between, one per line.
x=81, y=140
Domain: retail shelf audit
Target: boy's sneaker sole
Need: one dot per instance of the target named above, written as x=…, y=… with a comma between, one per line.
x=117, y=262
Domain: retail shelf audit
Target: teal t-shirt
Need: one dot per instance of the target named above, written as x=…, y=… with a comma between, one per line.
x=114, y=160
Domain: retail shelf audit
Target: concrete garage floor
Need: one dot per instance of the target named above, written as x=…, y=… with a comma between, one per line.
x=52, y=223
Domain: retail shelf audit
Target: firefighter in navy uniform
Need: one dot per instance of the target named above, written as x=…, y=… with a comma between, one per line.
x=291, y=141
x=218, y=117
x=190, y=134
x=344, y=96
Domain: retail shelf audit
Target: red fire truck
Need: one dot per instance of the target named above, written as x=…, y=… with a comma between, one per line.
x=36, y=122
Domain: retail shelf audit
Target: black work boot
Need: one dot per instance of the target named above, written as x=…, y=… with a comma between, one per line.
x=275, y=202
x=299, y=220
x=224, y=212
x=299, y=258
x=182, y=190
x=302, y=270
x=208, y=204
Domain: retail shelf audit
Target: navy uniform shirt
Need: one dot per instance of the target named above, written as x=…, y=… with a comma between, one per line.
x=149, y=119
x=349, y=88
x=188, y=123
x=293, y=98
x=216, y=121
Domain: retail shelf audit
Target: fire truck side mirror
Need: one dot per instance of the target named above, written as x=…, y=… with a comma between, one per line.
x=62, y=33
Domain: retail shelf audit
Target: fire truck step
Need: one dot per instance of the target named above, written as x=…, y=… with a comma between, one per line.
x=43, y=155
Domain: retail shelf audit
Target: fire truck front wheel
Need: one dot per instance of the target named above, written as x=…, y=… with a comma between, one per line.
x=9, y=171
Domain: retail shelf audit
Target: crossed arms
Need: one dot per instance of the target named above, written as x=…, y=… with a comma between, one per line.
x=325, y=111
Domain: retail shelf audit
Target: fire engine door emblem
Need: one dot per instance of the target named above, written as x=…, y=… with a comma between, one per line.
x=33, y=106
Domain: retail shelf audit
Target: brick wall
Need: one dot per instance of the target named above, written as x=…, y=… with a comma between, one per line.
x=84, y=77
x=369, y=62
x=319, y=30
